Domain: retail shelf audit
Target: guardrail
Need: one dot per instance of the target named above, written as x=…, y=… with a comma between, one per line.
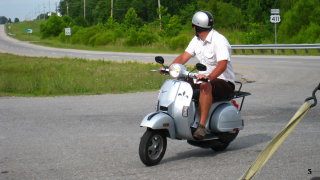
x=275, y=47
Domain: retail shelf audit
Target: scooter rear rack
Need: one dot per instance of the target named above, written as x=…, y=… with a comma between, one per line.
x=240, y=94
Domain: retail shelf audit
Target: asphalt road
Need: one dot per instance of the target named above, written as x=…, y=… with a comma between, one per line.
x=97, y=137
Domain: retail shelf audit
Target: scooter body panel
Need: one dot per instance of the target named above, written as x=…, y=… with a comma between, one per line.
x=159, y=120
x=175, y=99
x=225, y=118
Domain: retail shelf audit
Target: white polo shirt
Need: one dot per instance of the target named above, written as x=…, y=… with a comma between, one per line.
x=209, y=52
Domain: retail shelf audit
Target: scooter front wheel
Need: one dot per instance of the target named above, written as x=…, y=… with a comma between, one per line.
x=153, y=145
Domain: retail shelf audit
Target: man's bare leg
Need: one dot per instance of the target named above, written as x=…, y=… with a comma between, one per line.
x=205, y=102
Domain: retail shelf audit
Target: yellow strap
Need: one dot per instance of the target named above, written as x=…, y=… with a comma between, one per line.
x=276, y=142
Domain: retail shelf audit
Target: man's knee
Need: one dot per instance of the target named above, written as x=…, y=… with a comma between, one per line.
x=206, y=88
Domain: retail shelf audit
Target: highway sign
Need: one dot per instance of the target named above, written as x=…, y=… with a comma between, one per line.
x=275, y=18
x=275, y=11
x=29, y=31
x=67, y=31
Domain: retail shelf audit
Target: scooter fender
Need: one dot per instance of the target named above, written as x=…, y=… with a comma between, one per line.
x=159, y=120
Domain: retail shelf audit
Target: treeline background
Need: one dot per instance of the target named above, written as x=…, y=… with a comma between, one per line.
x=137, y=22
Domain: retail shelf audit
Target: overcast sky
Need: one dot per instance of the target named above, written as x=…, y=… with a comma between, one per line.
x=26, y=9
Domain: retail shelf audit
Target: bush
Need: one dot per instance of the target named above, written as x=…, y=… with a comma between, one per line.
x=103, y=38
x=140, y=37
x=83, y=35
x=257, y=33
x=171, y=25
x=53, y=27
x=179, y=42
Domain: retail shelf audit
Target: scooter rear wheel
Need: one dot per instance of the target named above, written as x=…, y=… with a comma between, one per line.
x=153, y=145
x=224, y=140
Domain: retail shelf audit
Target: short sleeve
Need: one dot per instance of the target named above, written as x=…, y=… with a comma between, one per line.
x=223, y=49
x=191, y=47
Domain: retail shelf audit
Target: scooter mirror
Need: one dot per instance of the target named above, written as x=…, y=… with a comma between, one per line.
x=201, y=67
x=159, y=59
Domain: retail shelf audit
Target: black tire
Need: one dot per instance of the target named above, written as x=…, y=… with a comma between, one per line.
x=224, y=140
x=219, y=146
x=153, y=145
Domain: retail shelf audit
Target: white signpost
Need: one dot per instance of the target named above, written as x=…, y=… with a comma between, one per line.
x=275, y=18
x=67, y=31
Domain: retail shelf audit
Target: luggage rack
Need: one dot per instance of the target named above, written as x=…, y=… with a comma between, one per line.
x=240, y=94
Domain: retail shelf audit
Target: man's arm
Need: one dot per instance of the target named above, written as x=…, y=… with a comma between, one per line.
x=221, y=67
x=182, y=59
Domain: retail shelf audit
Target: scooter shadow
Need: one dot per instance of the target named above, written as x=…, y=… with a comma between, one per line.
x=239, y=143
x=244, y=142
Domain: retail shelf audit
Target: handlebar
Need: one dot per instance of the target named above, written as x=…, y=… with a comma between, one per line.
x=204, y=80
x=165, y=71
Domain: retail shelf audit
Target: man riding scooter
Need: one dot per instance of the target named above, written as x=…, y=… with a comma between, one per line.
x=213, y=50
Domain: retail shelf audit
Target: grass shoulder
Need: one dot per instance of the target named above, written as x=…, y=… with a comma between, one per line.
x=43, y=76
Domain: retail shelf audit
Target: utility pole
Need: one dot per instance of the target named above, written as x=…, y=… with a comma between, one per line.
x=111, y=9
x=67, y=8
x=44, y=11
x=159, y=6
x=84, y=9
x=56, y=7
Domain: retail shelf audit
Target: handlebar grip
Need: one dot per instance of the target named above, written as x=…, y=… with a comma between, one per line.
x=204, y=80
x=164, y=71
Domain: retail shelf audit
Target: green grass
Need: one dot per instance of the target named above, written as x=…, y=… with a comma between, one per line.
x=31, y=76
x=18, y=30
x=157, y=48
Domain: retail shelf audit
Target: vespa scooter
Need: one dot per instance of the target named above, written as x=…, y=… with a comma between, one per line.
x=177, y=116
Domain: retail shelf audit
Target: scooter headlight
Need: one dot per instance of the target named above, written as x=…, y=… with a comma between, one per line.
x=176, y=70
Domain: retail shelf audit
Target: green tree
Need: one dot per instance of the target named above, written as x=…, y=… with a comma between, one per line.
x=120, y=8
x=303, y=17
x=16, y=20
x=3, y=20
x=131, y=19
x=225, y=14
x=187, y=12
x=102, y=11
x=229, y=16
x=111, y=23
x=146, y=10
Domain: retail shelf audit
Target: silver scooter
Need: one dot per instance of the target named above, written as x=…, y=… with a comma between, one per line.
x=177, y=116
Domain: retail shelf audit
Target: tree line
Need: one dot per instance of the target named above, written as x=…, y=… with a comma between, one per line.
x=140, y=22
x=5, y=20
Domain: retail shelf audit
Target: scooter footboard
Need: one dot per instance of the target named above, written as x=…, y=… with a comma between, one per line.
x=159, y=120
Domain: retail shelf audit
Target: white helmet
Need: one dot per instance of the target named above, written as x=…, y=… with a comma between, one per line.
x=203, y=20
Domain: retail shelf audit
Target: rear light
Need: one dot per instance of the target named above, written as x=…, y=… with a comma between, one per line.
x=235, y=104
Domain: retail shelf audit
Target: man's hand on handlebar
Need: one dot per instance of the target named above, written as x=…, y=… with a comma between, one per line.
x=164, y=70
x=203, y=78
